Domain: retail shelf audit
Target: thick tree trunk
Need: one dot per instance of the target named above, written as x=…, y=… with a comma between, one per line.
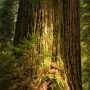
x=70, y=43
x=45, y=19
x=34, y=19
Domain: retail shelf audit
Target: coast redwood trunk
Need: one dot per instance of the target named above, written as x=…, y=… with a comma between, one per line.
x=70, y=43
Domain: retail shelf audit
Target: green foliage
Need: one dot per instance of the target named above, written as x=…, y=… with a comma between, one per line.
x=7, y=61
x=85, y=20
x=53, y=81
x=27, y=70
x=19, y=65
x=85, y=43
x=85, y=65
x=7, y=22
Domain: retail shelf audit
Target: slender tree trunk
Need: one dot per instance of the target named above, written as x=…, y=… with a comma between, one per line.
x=23, y=25
x=70, y=43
